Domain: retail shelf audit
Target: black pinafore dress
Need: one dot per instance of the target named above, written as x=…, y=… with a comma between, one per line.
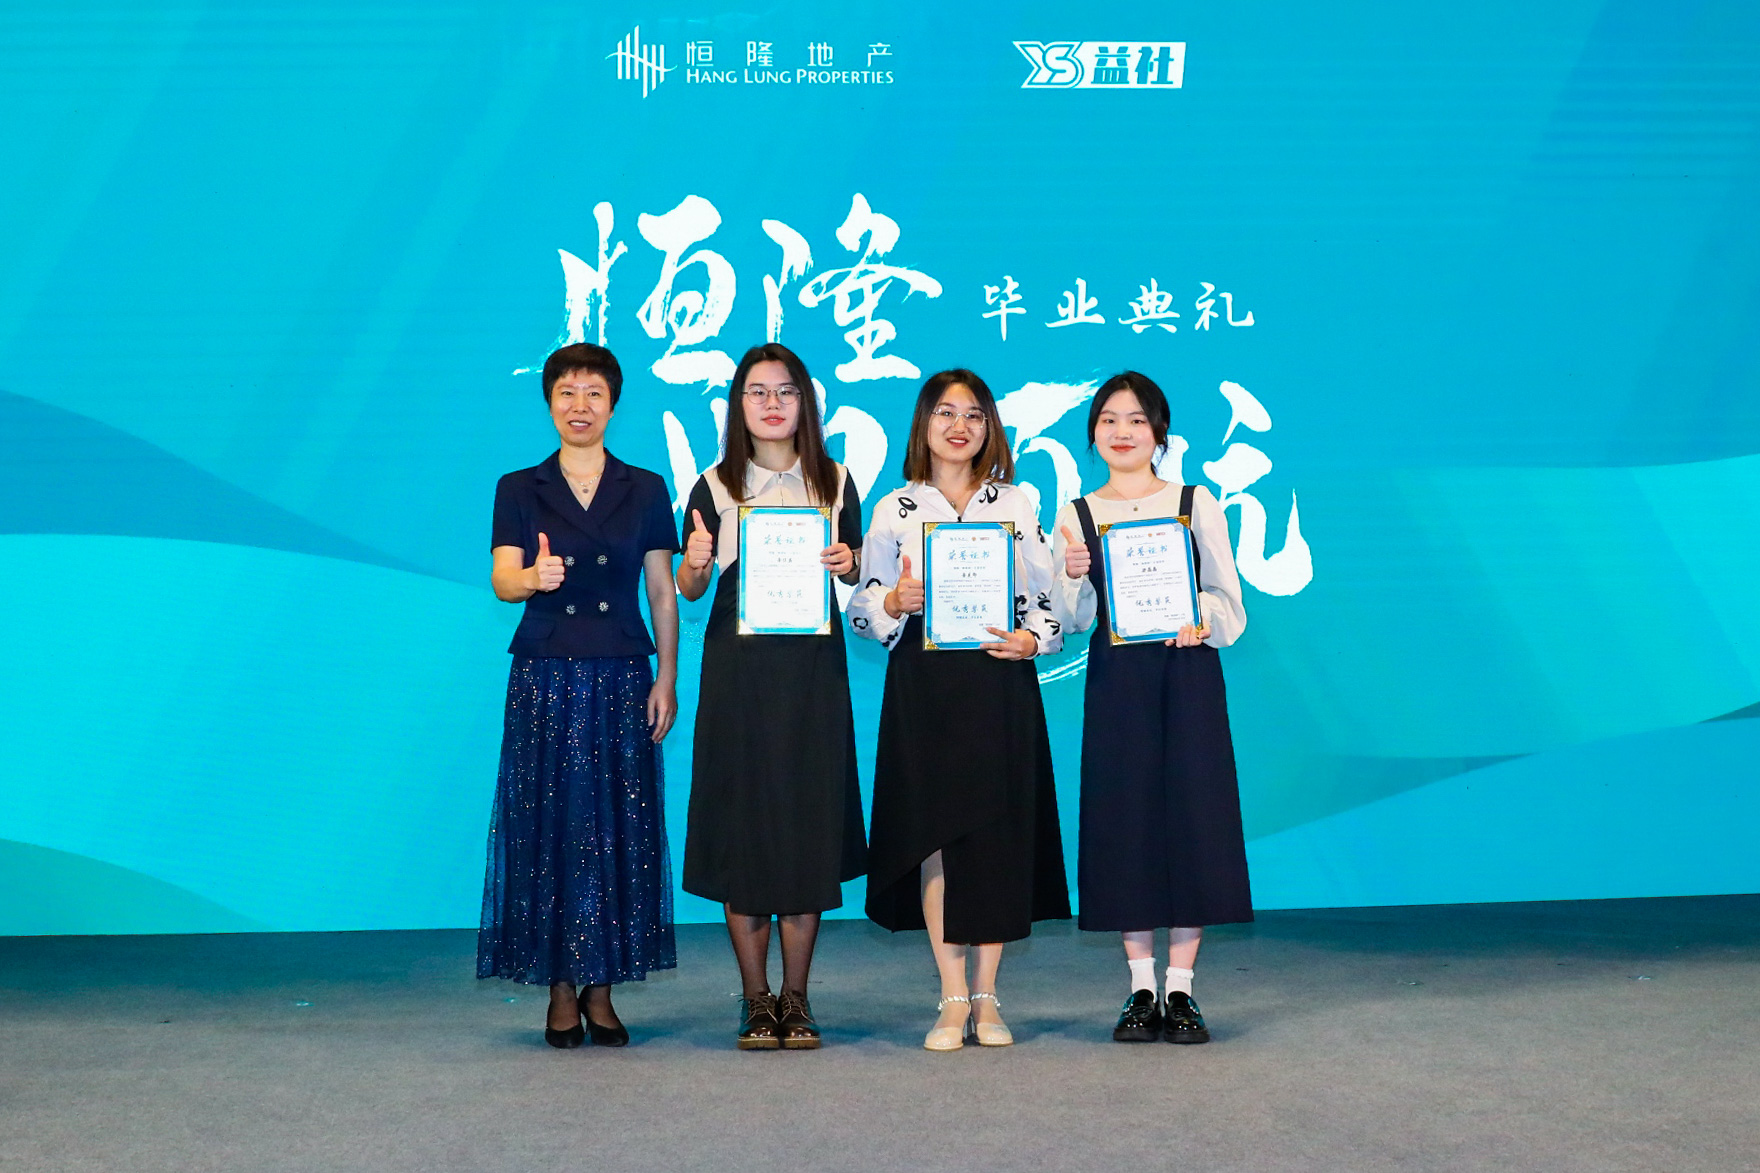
x=1161, y=840
x=775, y=820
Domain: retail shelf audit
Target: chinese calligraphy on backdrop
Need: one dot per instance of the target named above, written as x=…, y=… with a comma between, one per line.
x=689, y=320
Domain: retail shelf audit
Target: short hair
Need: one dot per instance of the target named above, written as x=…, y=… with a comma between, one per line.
x=993, y=462
x=583, y=356
x=817, y=467
x=1149, y=398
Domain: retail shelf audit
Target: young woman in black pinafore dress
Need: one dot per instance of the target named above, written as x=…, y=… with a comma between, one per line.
x=1161, y=841
x=775, y=821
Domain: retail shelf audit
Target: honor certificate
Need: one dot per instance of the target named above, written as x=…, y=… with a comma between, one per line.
x=783, y=587
x=968, y=582
x=1151, y=591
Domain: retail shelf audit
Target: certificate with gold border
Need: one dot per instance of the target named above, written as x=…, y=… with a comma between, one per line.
x=1151, y=584
x=783, y=587
x=968, y=582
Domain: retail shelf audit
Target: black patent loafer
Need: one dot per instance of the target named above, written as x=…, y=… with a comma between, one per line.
x=758, y=1026
x=1182, y=1022
x=1140, y=1020
x=565, y=1040
x=608, y=1036
x=795, y=1022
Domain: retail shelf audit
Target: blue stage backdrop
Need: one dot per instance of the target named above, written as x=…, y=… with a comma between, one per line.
x=1456, y=307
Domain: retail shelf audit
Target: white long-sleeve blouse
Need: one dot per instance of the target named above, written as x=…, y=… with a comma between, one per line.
x=1219, y=585
x=895, y=532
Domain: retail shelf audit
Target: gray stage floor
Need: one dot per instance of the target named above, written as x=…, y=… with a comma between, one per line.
x=1605, y=1035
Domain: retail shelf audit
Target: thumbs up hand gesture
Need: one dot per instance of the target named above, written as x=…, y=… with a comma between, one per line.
x=1076, y=560
x=699, y=548
x=547, y=571
x=907, y=597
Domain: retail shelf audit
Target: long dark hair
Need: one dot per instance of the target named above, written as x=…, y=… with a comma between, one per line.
x=817, y=467
x=993, y=462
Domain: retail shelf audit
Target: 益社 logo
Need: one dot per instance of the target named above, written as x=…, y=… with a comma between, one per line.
x=636, y=61
x=1104, y=65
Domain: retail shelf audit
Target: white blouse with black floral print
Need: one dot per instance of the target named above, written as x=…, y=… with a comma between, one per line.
x=895, y=532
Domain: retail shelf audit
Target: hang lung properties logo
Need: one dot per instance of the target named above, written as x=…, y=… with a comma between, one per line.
x=1104, y=65
x=816, y=63
x=639, y=62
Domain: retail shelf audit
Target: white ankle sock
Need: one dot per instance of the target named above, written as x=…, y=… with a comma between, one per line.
x=1142, y=974
x=1180, y=980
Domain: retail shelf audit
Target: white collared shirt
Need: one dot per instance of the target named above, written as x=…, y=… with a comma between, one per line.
x=768, y=487
x=1219, y=586
x=895, y=531
x=763, y=487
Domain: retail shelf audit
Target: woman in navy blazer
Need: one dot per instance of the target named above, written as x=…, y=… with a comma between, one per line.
x=579, y=886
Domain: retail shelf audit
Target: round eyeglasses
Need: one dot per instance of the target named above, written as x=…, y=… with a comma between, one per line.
x=787, y=393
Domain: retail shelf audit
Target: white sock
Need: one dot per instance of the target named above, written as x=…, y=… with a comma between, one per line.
x=1180, y=980
x=1142, y=974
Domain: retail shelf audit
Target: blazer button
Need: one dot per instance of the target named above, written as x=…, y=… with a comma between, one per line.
x=603, y=560
x=568, y=610
x=568, y=561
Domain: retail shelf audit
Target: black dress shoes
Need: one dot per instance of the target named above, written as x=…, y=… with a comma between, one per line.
x=795, y=1022
x=758, y=1026
x=608, y=1036
x=564, y=1040
x=1182, y=1021
x=1140, y=1020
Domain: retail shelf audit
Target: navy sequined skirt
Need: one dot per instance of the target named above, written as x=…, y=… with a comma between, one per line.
x=579, y=885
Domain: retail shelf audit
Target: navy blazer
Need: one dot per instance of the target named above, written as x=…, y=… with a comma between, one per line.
x=595, y=612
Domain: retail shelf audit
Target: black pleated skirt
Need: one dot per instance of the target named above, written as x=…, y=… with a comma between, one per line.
x=964, y=767
x=1161, y=840
x=775, y=822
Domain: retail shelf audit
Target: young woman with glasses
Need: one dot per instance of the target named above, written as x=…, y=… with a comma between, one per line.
x=964, y=839
x=1161, y=842
x=775, y=820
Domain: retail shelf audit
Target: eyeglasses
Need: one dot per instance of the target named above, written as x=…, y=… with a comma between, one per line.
x=787, y=393
x=945, y=417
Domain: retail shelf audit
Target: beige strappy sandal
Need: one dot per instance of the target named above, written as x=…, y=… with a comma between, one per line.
x=991, y=1034
x=949, y=1038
